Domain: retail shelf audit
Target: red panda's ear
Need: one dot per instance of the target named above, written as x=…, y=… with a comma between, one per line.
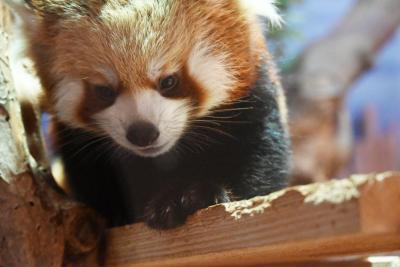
x=65, y=8
x=265, y=8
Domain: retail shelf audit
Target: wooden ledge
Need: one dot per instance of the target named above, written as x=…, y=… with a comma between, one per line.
x=359, y=215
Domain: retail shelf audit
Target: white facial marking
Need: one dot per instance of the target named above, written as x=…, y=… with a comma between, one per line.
x=155, y=69
x=109, y=74
x=68, y=97
x=211, y=72
x=168, y=115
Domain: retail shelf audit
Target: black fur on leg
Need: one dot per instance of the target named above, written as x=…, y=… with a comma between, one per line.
x=174, y=204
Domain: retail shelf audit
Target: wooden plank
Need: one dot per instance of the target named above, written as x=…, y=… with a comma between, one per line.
x=345, y=217
x=323, y=264
x=383, y=261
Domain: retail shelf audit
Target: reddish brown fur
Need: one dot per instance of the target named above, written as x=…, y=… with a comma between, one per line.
x=216, y=49
x=74, y=50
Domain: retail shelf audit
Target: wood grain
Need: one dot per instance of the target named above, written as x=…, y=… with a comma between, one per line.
x=358, y=215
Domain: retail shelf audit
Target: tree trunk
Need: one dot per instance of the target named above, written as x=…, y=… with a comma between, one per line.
x=321, y=132
x=39, y=225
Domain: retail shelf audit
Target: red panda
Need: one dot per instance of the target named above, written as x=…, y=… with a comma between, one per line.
x=162, y=107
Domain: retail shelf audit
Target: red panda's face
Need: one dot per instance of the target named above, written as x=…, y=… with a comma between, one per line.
x=141, y=71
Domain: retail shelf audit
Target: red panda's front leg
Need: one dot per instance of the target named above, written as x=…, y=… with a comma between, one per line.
x=175, y=202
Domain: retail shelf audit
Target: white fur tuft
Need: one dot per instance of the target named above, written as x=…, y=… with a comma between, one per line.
x=24, y=13
x=68, y=96
x=211, y=72
x=266, y=8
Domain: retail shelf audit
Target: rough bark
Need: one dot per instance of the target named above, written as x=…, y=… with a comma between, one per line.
x=321, y=133
x=39, y=226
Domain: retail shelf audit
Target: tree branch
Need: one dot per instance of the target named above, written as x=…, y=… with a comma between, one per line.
x=321, y=133
x=38, y=225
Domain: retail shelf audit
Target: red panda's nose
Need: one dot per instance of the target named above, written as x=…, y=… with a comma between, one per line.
x=142, y=134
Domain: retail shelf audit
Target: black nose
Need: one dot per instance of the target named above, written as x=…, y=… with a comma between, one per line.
x=142, y=134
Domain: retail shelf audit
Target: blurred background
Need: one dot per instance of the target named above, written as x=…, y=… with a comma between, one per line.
x=340, y=65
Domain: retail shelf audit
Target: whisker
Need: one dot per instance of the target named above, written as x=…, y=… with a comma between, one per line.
x=96, y=140
x=215, y=130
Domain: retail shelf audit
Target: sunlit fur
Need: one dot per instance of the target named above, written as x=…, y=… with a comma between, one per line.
x=217, y=50
x=138, y=42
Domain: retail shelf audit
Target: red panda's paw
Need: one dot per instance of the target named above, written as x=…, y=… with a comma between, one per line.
x=172, y=207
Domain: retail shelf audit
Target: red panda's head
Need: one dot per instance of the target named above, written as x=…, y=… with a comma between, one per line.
x=140, y=71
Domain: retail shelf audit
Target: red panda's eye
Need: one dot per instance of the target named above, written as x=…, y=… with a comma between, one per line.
x=105, y=93
x=168, y=83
